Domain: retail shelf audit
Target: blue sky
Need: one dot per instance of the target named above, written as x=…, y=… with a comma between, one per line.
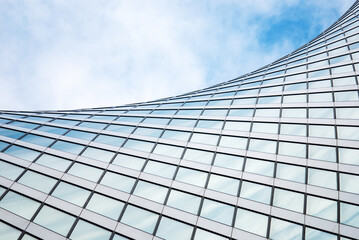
x=76, y=54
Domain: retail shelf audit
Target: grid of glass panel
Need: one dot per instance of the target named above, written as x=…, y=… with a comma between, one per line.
x=271, y=154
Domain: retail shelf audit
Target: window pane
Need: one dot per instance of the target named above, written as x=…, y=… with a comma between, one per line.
x=349, y=214
x=39, y=140
x=8, y=232
x=117, y=181
x=259, y=167
x=168, y=227
x=10, y=171
x=53, y=162
x=217, y=211
x=288, y=200
x=245, y=220
x=191, y=176
x=322, y=178
x=20, y=152
x=140, y=218
x=98, y=154
x=86, y=172
x=68, y=147
x=38, y=181
x=228, y=161
x=256, y=192
x=106, y=206
x=292, y=149
x=71, y=193
x=168, y=150
x=20, y=205
x=151, y=191
x=322, y=208
x=88, y=231
x=223, y=184
x=160, y=169
x=284, y=230
x=322, y=153
x=55, y=220
x=129, y=161
x=81, y=135
x=184, y=201
x=198, y=156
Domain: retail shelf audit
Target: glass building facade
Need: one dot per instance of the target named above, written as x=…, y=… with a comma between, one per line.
x=273, y=154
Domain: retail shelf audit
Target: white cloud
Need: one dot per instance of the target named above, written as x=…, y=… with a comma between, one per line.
x=74, y=54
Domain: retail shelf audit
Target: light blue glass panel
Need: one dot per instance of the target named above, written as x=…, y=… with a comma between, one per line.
x=269, y=100
x=322, y=178
x=191, y=176
x=118, y=237
x=151, y=132
x=215, y=112
x=298, y=98
x=174, y=230
x=223, y=184
x=233, y=142
x=53, y=162
x=139, y=145
x=28, y=237
x=151, y=191
x=110, y=140
x=98, y=154
x=118, y=181
x=217, y=211
x=183, y=122
x=351, y=133
x=93, y=125
x=38, y=181
x=55, y=220
x=198, y=156
x=238, y=126
x=349, y=183
x=244, y=101
x=312, y=234
x=103, y=117
x=205, y=138
x=347, y=113
x=322, y=153
x=267, y=112
x=71, y=193
x=20, y=205
x=176, y=135
x=168, y=150
x=294, y=87
x=129, y=161
x=280, y=230
x=130, y=119
x=160, y=169
x=158, y=121
x=259, y=167
x=344, y=81
x=10, y=171
x=68, y=147
x=322, y=208
x=20, y=152
x=81, y=135
x=292, y=149
x=88, y=231
x=55, y=130
x=262, y=146
x=164, y=112
x=10, y=133
x=346, y=156
x=321, y=113
x=229, y=161
x=245, y=220
x=106, y=206
x=24, y=124
x=66, y=122
x=349, y=214
x=320, y=97
x=8, y=232
x=39, y=140
x=184, y=201
x=241, y=112
x=189, y=112
x=140, y=218
x=256, y=192
x=294, y=113
x=219, y=102
x=210, y=124
x=288, y=200
x=120, y=128
x=202, y=234
x=265, y=127
x=86, y=172
x=293, y=129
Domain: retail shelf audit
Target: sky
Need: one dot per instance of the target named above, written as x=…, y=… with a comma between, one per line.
x=60, y=54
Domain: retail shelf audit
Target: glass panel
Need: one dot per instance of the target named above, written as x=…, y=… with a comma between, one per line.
x=106, y=206
x=256, y=192
x=120, y=128
x=93, y=125
x=217, y=211
x=151, y=132
x=160, y=169
x=322, y=208
x=23, y=153
x=68, y=147
x=351, y=133
x=288, y=200
x=53, y=162
x=210, y=124
x=293, y=129
x=129, y=161
x=322, y=178
x=349, y=214
x=176, y=135
x=346, y=156
x=54, y=130
x=294, y=112
x=321, y=113
x=322, y=153
x=110, y=140
x=205, y=138
x=198, y=156
x=233, y=142
x=71, y=193
x=245, y=220
x=55, y=220
x=140, y=218
x=151, y=191
x=168, y=150
x=117, y=181
x=85, y=171
x=265, y=127
x=168, y=227
x=183, y=122
x=88, y=231
x=238, y=126
x=229, y=161
x=292, y=149
x=312, y=234
x=81, y=135
x=262, y=146
x=139, y=145
x=223, y=184
x=10, y=171
x=8, y=232
x=349, y=183
x=259, y=167
x=20, y=205
x=201, y=234
x=35, y=139
x=284, y=230
x=11, y=133
x=191, y=176
x=184, y=201
x=98, y=154
x=38, y=181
